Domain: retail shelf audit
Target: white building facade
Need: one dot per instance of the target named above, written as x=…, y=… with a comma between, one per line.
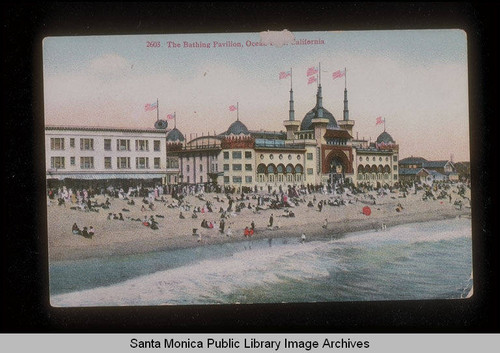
x=94, y=153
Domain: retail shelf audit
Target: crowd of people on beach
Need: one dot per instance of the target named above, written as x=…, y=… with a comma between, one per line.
x=217, y=206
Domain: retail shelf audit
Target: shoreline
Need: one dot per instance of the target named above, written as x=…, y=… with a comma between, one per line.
x=313, y=229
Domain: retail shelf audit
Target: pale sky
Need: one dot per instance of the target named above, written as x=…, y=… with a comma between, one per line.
x=415, y=79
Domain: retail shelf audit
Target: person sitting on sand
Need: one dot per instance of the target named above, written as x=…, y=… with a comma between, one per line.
x=229, y=232
x=303, y=238
x=85, y=233
x=121, y=217
x=325, y=224
x=91, y=231
x=181, y=216
x=75, y=230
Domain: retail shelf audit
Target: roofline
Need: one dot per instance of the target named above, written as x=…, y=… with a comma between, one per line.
x=100, y=128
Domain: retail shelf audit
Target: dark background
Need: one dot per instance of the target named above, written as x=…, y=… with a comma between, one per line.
x=23, y=244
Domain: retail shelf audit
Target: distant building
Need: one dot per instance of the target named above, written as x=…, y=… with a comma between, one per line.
x=414, y=169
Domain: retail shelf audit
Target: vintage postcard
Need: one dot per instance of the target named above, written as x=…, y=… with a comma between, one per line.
x=272, y=167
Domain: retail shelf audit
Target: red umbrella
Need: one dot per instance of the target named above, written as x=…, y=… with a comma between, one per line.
x=367, y=211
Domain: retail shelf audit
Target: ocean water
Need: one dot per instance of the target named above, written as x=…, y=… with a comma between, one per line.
x=431, y=260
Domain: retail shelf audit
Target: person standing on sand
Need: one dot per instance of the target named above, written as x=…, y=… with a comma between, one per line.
x=271, y=220
x=303, y=238
x=325, y=224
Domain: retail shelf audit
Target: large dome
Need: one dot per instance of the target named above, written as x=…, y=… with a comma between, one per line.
x=385, y=138
x=175, y=135
x=237, y=128
x=312, y=114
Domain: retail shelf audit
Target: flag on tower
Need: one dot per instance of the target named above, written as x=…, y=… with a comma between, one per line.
x=285, y=74
x=148, y=107
x=232, y=108
x=338, y=74
x=379, y=120
x=311, y=80
x=312, y=71
x=170, y=116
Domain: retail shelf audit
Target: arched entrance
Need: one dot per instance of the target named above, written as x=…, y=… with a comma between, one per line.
x=337, y=171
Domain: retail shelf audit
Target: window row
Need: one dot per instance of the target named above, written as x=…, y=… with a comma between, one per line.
x=238, y=167
x=376, y=176
x=237, y=154
x=87, y=144
x=376, y=169
x=121, y=162
x=214, y=168
x=238, y=179
x=280, y=156
x=394, y=158
x=280, y=169
x=280, y=178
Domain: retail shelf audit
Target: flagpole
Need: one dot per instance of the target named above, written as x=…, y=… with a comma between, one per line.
x=175, y=120
x=291, y=79
x=237, y=111
x=157, y=110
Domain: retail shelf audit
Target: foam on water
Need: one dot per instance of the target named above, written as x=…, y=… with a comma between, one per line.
x=209, y=278
x=359, y=266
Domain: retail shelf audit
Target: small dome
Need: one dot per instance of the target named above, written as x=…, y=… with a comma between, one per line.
x=237, y=128
x=175, y=135
x=312, y=114
x=385, y=138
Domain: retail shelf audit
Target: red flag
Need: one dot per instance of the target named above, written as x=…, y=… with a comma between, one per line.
x=170, y=116
x=285, y=74
x=311, y=80
x=312, y=71
x=338, y=74
x=379, y=120
x=232, y=108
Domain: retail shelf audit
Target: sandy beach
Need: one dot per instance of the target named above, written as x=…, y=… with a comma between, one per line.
x=129, y=236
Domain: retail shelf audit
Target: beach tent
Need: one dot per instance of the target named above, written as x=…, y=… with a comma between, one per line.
x=367, y=211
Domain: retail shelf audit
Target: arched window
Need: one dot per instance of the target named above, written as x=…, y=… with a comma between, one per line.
x=280, y=168
x=290, y=169
x=361, y=169
x=271, y=169
x=299, y=169
x=261, y=168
